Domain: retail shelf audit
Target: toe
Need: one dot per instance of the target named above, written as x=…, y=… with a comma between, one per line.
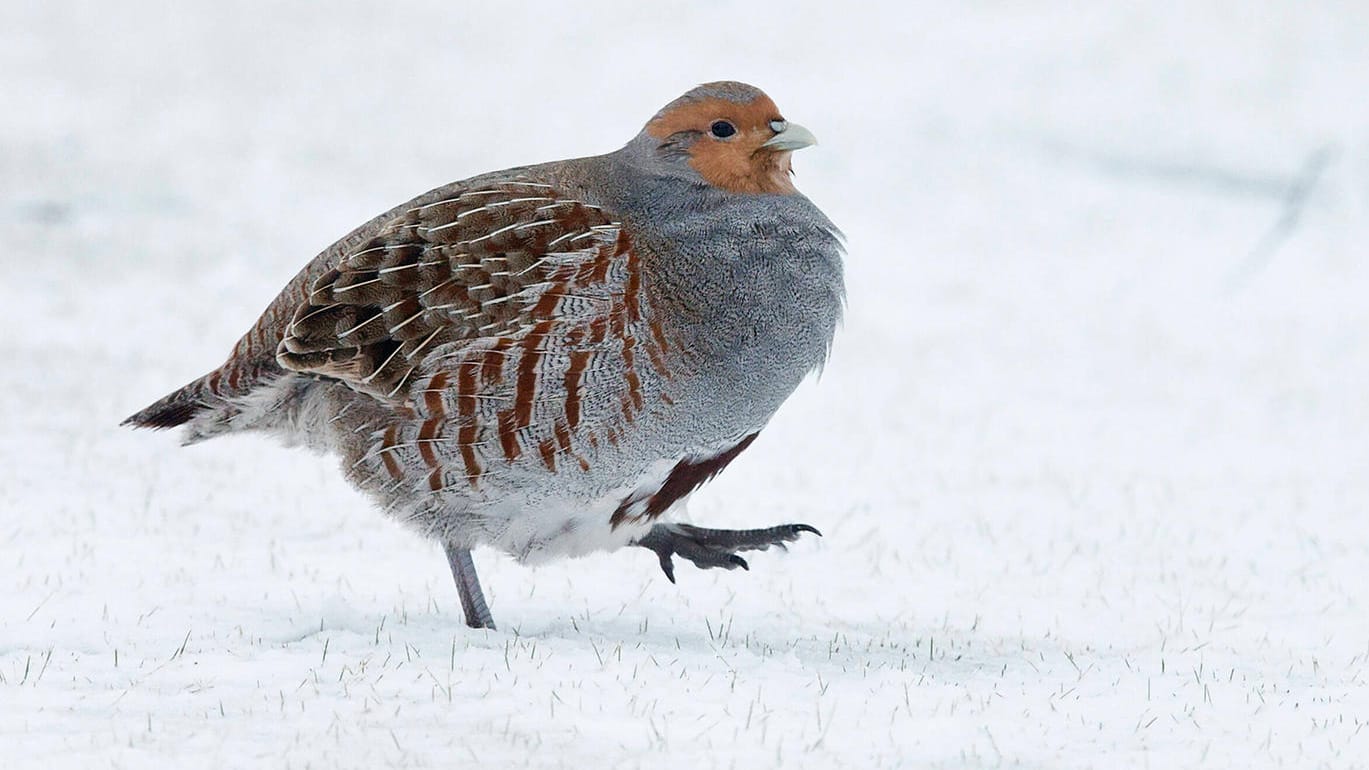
x=667, y=565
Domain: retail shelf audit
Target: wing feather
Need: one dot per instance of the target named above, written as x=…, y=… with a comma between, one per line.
x=482, y=264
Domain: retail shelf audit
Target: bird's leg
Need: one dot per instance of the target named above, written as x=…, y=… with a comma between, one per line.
x=709, y=548
x=468, y=585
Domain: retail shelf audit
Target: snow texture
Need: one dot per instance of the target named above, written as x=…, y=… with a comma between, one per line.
x=1091, y=456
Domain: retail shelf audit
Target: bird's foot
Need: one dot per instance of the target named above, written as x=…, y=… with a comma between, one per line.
x=709, y=548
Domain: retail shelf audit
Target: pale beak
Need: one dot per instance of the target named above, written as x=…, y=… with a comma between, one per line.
x=793, y=137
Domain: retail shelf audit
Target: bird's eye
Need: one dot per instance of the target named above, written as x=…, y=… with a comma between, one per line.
x=722, y=129
x=778, y=125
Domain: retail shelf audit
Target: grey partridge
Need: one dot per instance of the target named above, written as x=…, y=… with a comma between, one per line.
x=547, y=359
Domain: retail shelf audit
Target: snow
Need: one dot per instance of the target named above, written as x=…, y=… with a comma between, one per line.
x=1090, y=456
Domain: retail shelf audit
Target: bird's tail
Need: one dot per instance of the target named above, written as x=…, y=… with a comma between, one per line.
x=176, y=408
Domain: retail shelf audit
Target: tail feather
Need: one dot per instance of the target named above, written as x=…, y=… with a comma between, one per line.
x=174, y=409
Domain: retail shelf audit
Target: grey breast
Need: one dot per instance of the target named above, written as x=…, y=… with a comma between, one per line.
x=754, y=283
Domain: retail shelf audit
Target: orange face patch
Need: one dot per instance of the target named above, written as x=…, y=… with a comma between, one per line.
x=737, y=163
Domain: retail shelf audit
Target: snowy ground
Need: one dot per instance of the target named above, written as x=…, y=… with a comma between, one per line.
x=1092, y=456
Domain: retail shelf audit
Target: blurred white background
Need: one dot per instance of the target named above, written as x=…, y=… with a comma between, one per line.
x=1092, y=454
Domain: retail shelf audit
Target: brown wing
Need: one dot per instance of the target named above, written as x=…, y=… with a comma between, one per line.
x=509, y=322
x=481, y=263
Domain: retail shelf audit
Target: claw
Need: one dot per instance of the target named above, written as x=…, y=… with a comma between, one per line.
x=667, y=565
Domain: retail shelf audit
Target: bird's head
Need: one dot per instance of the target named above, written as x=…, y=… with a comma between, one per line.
x=732, y=135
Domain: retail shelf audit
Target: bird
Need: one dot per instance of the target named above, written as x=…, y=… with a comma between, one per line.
x=548, y=359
